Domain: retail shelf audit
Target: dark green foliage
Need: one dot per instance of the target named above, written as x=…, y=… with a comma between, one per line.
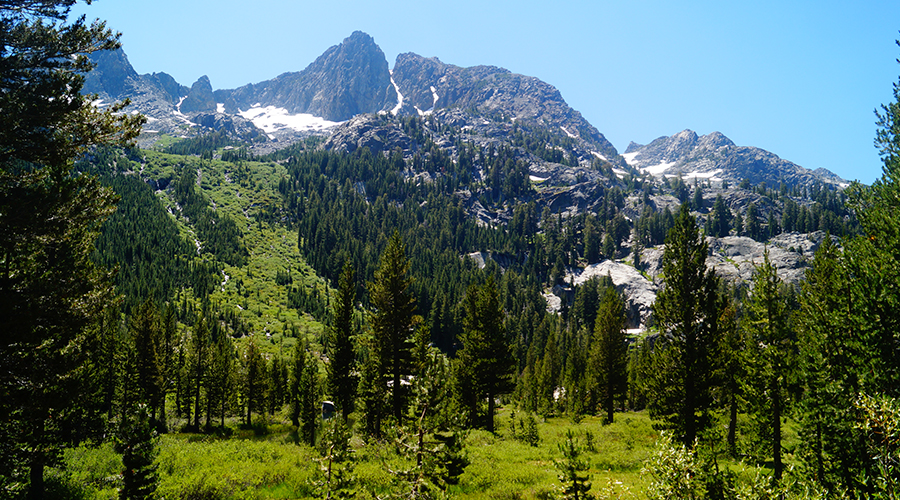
x=254, y=383
x=771, y=358
x=484, y=365
x=687, y=310
x=607, y=369
x=143, y=242
x=392, y=321
x=573, y=470
x=218, y=235
x=832, y=359
x=202, y=145
x=136, y=442
x=721, y=218
x=146, y=335
x=371, y=392
x=341, y=356
x=751, y=223
x=220, y=378
x=50, y=290
x=304, y=393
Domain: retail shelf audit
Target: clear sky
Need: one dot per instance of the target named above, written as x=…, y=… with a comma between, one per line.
x=798, y=78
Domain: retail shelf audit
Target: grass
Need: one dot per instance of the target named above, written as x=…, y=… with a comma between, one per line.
x=265, y=462
x=240, y=191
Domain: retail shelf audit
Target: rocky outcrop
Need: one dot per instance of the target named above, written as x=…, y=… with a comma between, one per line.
x=200, y=98
x=638, y=291
x=378, y=133
x=716, y=157
x=427, y=84
x=348, y=79
x=112, y=76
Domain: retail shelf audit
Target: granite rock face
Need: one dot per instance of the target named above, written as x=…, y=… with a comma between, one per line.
x=348, y=79
x=427, y=84
x=717, y=158
x=200, y=97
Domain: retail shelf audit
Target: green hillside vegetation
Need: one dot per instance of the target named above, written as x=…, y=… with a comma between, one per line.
x=200, y=322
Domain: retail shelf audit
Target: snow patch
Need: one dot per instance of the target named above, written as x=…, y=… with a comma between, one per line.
x=570, y=134
x=629, y=157
x=534, y=178
x=272, y=119
x=220, y=108
x=619, y=172
x=657, y=169
x=434, y=100
x=598, y=155
x=399, y=95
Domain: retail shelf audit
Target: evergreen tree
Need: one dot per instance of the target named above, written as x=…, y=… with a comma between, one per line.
x=833, y=358
x=392, y=320
x=591, y=240
x=772, y=356
x=751, y=222
x=146, y=336
x=308, y=400
x=198, y=362
x=485, y=349
x=721, y=218
x=342, y=359
x=220, y=378
x=50, y=289
x=732, y=369
x=254, y=380
x=136, y=441
x=686, y=310
x=609, y=351
x=371, y=393
x=572, y=470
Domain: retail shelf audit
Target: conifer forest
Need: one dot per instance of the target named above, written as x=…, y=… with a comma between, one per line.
x=196, y=320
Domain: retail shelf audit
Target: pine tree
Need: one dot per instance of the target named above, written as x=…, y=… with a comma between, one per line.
x=136, y=441
x=485, y=349
x=721, y=218
x=572, y=470
x=833, y=356
x=609, y=352
x=772, y=356
x=342, y=359
x=198, y=364
x=50, y=289
x=751, y=222
x=254, y=380
x=220, y=378
x=146, y=336
x=686, y=310
x=392, y=320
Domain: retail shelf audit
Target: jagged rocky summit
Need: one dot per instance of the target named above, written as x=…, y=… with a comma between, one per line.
x=716, y=158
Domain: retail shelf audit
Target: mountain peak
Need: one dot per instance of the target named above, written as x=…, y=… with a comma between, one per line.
x=346, y=80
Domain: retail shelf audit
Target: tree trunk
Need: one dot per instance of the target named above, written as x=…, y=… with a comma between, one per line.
x=490, y=413
x=776, y=429
x=732, y=425
x=610, y=403
x=36, y=475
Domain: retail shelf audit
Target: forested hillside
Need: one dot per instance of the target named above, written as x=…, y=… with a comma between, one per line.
x=419, y=322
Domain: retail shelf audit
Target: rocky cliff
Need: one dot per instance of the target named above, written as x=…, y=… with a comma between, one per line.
x=716, y=157
x=348, y=79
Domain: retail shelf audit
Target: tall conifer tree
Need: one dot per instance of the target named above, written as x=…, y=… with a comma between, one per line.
x=392, y=320
x=680, y=389
x=342, y=359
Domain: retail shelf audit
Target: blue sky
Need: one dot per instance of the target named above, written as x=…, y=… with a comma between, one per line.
x=798, y=78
